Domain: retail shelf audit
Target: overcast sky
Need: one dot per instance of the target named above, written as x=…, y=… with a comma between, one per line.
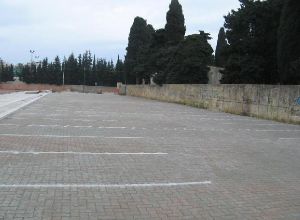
x=59, y=27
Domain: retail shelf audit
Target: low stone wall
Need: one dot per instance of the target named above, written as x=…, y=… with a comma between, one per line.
x=74, y=88
x=273, y=102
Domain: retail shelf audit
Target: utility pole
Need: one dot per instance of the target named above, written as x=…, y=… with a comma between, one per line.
x=31, y=59
x=63, y=72
x=31, y=52
x=83, y=79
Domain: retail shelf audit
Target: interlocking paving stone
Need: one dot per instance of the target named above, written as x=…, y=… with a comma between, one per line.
x=253, y=165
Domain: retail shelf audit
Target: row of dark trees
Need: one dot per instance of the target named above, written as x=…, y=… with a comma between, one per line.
x=258, y=44
x=82, y=70
x=261, y=43
x=166, y=55
x=6, y=72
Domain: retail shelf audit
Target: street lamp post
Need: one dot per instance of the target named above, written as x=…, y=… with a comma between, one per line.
x=31, y=59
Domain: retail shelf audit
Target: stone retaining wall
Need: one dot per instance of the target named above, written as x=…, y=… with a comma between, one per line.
x=273, y=102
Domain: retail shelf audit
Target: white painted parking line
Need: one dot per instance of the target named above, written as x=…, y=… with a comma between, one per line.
x=81, y=126
x=62, y=136
x=124, y=137
x=43, y=125
x=83, y=120
x=112, y=127
x=9, y=125
x=17, y=118
x=278, y=130
x=87, y=186
x=79, y=153
x=289, y=139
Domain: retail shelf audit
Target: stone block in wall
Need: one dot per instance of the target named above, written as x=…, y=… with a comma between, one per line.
x=272, y=112
x=283, y=114
x=274, y=95
x=264, y=112
x=253, y=109
x=264, y=95
x=288, y=96
x=232, y=107
x=250, y=94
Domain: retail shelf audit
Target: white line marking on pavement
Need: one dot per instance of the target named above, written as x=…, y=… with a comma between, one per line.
x=79, y=153
x=289, y=138
x=124, y=137
x=139, y=185
x=83, y=120
x=279, y=130
x=9, y=125
x=112, y=127
x=79, y=126
x=60, y=136
x=43, y=125
x=17, y=118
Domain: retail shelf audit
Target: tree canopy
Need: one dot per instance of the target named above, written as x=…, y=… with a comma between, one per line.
x=251, y=32
x=166, y=55
x=289, y=43
x=220, y=54
x=83, y=70
x=175, y=27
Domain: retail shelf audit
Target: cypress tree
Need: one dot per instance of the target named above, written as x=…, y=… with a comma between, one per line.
x=175, y=27
x=220, y=57
x=139, y=39
x=1, y=70
x=289, y=43
x=120, y=70
x=57, y=71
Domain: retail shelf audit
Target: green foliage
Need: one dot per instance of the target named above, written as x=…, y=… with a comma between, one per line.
x=220, y=54
x=165, y=54
x=6, y=72
x=85, y=69
x=120, y=71
x=175, y=27
x=251, y=34
x=289, y=43
x=138, y=43
x=189, y=65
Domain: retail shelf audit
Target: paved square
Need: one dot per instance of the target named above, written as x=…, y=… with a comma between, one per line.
x=87, y=156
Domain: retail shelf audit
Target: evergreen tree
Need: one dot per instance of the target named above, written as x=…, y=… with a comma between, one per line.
x=220, y=57
x=175, y=27
x=72, y=71
x=57, y=71
x=289, y=43
x=120, y=70
x=1, y=70
x=139, y=39
x=87, y=68
x=191, y=60
x=96, y=71
x=45, y=76
x=251, y=34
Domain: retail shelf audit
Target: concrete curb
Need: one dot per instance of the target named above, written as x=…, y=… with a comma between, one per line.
x=7, y=113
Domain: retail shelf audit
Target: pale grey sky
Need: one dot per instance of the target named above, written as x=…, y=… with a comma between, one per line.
x=59, y=27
